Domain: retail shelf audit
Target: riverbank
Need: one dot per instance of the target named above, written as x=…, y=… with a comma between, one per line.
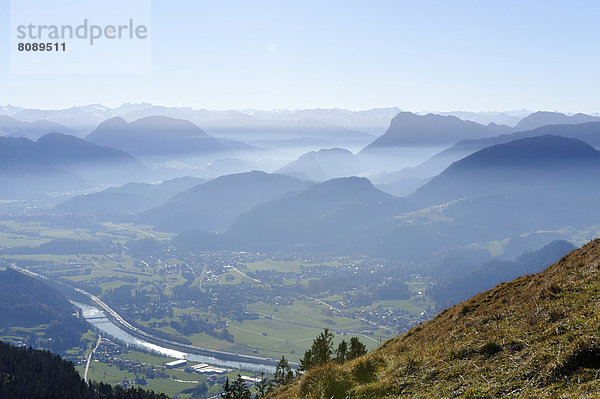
x=105, y=325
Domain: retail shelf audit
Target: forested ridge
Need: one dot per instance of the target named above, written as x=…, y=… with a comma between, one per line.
x=28, y=302
x=27, y=373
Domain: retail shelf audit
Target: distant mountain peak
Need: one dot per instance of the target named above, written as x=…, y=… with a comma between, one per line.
x=324, y=164
x=545, y=118
x=57, y=136
x=116, y=121
x=154, y=135
x=334, y=150
x=409, y=129
x=32, y=130
x=352, y=181
x=161, y=122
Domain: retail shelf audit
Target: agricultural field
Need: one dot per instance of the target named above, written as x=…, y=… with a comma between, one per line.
x=246, y=303
x=148, y=371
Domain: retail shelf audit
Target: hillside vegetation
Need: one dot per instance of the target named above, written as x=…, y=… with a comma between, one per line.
x=27, y=373
x=458, y=288
x=536, y=336
x=26, y=302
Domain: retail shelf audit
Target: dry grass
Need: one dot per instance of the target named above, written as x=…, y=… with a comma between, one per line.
x=537, y=336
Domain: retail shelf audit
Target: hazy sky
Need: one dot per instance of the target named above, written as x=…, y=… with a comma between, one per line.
x=417, y=55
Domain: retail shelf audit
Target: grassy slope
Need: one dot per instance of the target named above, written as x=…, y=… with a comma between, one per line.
x=537, y=336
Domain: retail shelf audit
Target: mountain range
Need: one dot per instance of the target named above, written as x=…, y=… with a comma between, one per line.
x=588, y=132
x=86, y=118
x=159, y=135
x=174, y=132
x=372, y=121
x=303, y=133
x=408, y=129
x=518, y=193
x=31, y=130
x=508, y=118
x=58, y=162
x=410, y=135
x=544, y=118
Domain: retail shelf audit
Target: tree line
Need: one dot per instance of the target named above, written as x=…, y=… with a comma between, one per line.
x=27, y=373
x=321, y=352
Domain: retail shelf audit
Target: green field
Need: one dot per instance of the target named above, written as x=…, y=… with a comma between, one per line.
x=176, y=380
x=286, y=329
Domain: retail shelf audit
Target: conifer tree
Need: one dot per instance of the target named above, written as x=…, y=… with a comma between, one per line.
x=227, y=392
x=320, y=352
x=341, y=352
x=283, y=372
x=357, y=348
x=239, y=389
x=263, y=387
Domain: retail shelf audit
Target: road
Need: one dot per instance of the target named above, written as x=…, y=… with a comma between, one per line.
x=120, y=322
x=328, y=305
x=138, y=333
x=245, y=275
x=89, y=359
x=202, y=275
x=114, y=226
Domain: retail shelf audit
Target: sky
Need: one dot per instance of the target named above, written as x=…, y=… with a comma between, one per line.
x=416, y=55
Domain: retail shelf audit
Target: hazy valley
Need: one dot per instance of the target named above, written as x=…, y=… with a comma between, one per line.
x=233, y=238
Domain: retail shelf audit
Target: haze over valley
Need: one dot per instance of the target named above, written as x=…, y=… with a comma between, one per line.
x=232, y=238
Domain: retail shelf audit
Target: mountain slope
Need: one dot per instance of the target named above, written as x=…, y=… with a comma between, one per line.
x=61, y=162
x=95, y=163
x=215, y=205
x=27, y=302
x=536, y=336
x=527, y=165
x=21, y=154
x=31, y=130
x=73, y=150
x=131, y=197
x=324, y=164
x=57, y=149
x=328, y=216
x=158, y=135
x=502, y=200
x=459, y=288
x=27, y=373
x=408, y=129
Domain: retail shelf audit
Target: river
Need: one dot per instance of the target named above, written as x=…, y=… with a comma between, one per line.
x=97, y=318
